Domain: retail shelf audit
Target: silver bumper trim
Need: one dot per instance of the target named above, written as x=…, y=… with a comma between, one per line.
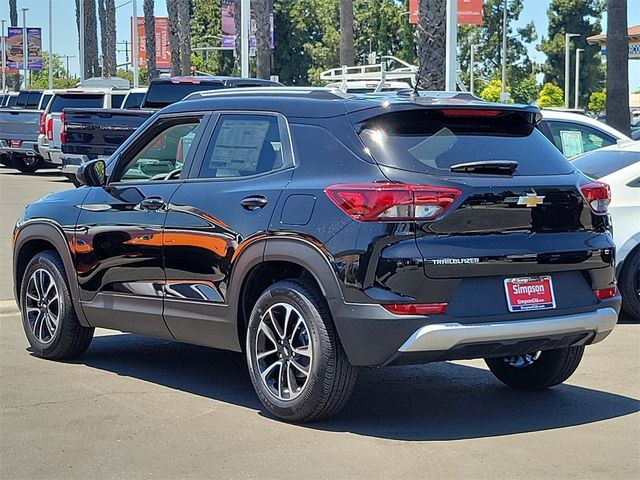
x=444, y=336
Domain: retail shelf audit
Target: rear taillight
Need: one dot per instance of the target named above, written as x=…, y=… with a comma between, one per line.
x=49, y=128
x=416, y=308
x=597, y=195
x=379, y=202
x=43, y=121
x=603, y=293
x=63, y=129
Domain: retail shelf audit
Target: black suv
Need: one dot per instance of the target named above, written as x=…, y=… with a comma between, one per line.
x=318, y=232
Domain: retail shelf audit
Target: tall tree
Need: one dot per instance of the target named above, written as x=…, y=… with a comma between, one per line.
x=431, y=31
x=107, y=16
x=263, y=10
x=150, y=37
x=184, y=35
x=618, y=66
x=174, y=38
x=91, y=64
x=487, y=39
x=347, y=50
x=13, y=13
x=581, y=17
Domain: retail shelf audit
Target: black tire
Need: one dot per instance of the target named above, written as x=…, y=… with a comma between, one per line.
x=69, y=339
x=551, y=368
x=331, y=377
x=27, y=164
x=629, y=282
x=5, y=160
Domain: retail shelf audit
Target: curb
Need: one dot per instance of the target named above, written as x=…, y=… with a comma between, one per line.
x=8, y=307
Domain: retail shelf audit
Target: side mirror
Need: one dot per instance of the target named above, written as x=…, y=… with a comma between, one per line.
x=92, y=174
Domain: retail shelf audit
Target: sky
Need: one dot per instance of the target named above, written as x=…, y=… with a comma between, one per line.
x=65, y=33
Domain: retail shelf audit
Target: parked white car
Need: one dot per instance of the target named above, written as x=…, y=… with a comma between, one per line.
x=619, y=166
x=574, y=134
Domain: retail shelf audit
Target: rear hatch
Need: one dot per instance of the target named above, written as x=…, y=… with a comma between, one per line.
x=516, y=211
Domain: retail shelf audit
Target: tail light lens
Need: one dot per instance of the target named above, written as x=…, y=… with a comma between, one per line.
x=597, y=195
x=603, y=293
x=43, y=121
x=380, y=202
x=63, y=129
x=416, y=308
x=49, y=128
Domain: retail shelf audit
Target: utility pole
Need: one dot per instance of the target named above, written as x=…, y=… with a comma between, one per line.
x=577, y=80
x=504, y=96
x=67, y=57
x=126, y=53
x=25, y=48
x=4, y=58
x=472, y=64
x=134, y=47
x=50, y=48
x=567, y=63
x=451, y=35
x=245, y=23
x=81, y=3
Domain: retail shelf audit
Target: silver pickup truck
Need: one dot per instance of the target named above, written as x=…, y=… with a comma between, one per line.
x=19, y=128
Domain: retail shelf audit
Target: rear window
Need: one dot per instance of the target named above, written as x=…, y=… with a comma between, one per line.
x=134, y=100
x=430, y=141
x=75, y=100
x=162, y=94
x=599, y=164
x=29, y=99
x=116, y=100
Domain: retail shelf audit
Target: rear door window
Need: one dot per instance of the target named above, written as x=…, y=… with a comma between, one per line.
x=76, y=100
x=432, y=141
x=574, y=138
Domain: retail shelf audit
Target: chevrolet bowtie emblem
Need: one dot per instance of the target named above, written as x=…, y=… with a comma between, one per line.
x=530, y=200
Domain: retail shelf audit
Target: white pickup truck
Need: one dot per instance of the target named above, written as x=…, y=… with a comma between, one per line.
x=51, y=126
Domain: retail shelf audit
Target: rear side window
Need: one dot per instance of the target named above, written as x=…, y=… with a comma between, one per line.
x=162, y=94
x=134, y=100
x=243, y=145
x=602, y=163
x=45, y=101
x=430, y=141
x=116, y=101
x=74, y=100
x=574, y=138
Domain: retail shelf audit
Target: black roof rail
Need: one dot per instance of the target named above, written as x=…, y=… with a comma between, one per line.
x=308, y=92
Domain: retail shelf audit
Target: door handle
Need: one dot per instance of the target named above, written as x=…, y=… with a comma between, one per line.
x=152, y=203
x=254, y=202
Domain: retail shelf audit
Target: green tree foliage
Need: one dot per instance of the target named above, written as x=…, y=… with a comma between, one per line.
x=598, y=101
x=526, y=91
x=488, y=41
x=491, y=92
x=551, y=95
x=581, y=17
x=61, y=79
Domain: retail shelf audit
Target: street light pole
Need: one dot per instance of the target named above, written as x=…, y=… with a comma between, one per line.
x=50, y=48
x=245, y=22
x=4, y=58
x=577, y=80
x=81, y=58
x=451, y=44
x=472, y=68
x=25, y=48
x=567, y=62
x=504, y=96
x=134, y=47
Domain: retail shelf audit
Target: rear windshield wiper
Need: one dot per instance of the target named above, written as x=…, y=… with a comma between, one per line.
x=488, y=167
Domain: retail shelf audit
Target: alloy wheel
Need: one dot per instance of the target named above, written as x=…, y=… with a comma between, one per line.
x=42, y=306
x=284, y=353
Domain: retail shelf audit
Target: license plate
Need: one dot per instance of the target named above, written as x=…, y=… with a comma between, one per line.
x=529, y=293
x=15, y=143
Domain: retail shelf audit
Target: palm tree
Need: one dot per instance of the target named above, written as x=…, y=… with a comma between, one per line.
x=184, y=35
x=13, y=13
x=174, y=39
x=91, y=64
x=107, y=15
x=618, y=66
x=263, y=10
x=150, y=38
x=431, y=43
x=347, y=50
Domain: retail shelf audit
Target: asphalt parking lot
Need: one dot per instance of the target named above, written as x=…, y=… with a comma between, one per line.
x=134, y=407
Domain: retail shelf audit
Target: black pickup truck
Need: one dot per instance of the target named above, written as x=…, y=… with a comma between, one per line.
x=90, y=133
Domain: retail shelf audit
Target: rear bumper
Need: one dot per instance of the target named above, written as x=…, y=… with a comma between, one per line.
x=29, y=149
x=373, y=336
x=71, y=163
